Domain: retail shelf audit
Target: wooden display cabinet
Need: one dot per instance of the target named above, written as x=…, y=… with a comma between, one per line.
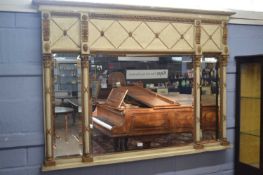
x=67, y=77
x=249, y=117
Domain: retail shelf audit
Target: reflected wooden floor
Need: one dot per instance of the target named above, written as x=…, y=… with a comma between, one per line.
x=103, y=144
x=69, y=144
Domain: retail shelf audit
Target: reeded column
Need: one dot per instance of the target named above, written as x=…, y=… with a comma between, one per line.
x=86, y=108
x=223, y=100
x=196, y=93
x=223, y=97
x=48, y=110
x=196, y=86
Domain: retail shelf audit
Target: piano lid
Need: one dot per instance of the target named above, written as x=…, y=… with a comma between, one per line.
x=150, y=98
x=145, y=96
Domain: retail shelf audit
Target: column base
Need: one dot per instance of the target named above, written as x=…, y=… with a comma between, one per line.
x=198, y=145
x=87, y=158
x=50, y=162
x=224, y=142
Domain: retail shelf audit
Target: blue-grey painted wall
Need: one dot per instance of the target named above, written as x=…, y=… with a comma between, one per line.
x=21, y=112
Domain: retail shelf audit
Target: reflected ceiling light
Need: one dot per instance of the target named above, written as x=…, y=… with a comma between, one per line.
x=142, y=59
x=209, y=60
x=177, y=59
x=60, y=58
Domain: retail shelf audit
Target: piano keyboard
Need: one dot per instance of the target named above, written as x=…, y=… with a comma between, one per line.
x=101, y=123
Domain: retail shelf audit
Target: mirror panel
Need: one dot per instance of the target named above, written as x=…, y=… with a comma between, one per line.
x=67, y=105
x=210, y=98
x=141, y=102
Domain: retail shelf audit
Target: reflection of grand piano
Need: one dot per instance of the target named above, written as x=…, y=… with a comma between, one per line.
x=136, y=111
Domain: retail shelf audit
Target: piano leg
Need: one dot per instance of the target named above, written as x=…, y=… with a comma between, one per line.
x=116, y=143
x=125, y=143
x=147, y=144
x=120, y=143
x=74, y=117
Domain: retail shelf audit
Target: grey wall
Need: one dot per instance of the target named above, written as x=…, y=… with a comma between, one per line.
x=21, y=112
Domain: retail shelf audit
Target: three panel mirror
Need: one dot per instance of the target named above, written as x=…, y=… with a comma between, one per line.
x=137, y=102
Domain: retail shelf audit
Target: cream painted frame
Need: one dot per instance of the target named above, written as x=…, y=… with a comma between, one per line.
x=48, y=85
x=202, y=23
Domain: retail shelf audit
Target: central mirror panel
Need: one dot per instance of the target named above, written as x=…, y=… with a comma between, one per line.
x=137, y=102
x=141, y=102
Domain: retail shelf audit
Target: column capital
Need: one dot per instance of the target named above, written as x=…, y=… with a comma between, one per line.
x=84, y=57
x=84, y=61
x=197, y=60
x=47, y=60
x=223, y=60
x=47, y=56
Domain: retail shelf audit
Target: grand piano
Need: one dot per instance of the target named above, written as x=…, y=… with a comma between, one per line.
x=136, y=111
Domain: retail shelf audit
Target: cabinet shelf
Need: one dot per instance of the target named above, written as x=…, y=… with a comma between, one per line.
x=244, y=97
x=67, y=77
x=255, y=133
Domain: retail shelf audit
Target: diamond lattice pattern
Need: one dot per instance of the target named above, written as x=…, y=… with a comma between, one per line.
x=211, y=38
x=65, y=33
x=140, y=35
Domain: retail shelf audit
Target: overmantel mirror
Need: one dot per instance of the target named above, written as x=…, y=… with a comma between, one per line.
x=117, y=83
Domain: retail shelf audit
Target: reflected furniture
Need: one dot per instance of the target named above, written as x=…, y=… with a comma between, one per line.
x=66, y=77
x=75, y=104
x=248, y=143
x=136, y=111
x=64, y=111
x=115, y=78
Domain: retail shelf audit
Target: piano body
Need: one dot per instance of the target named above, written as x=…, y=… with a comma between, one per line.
x=136, y=111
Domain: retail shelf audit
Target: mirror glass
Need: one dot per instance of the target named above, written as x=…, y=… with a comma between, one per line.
x=67, y=107
x=209, y=98
x=141, y=102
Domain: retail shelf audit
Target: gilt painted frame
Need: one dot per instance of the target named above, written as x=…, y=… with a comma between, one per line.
x=197, y=33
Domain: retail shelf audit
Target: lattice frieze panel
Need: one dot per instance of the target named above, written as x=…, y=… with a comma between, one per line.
x=65, y=33
x=211, y=38
x=140, y=35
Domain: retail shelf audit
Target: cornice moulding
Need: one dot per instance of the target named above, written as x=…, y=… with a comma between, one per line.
x=129, y=7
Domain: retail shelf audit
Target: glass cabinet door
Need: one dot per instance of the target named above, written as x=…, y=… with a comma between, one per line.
x=250, y=114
